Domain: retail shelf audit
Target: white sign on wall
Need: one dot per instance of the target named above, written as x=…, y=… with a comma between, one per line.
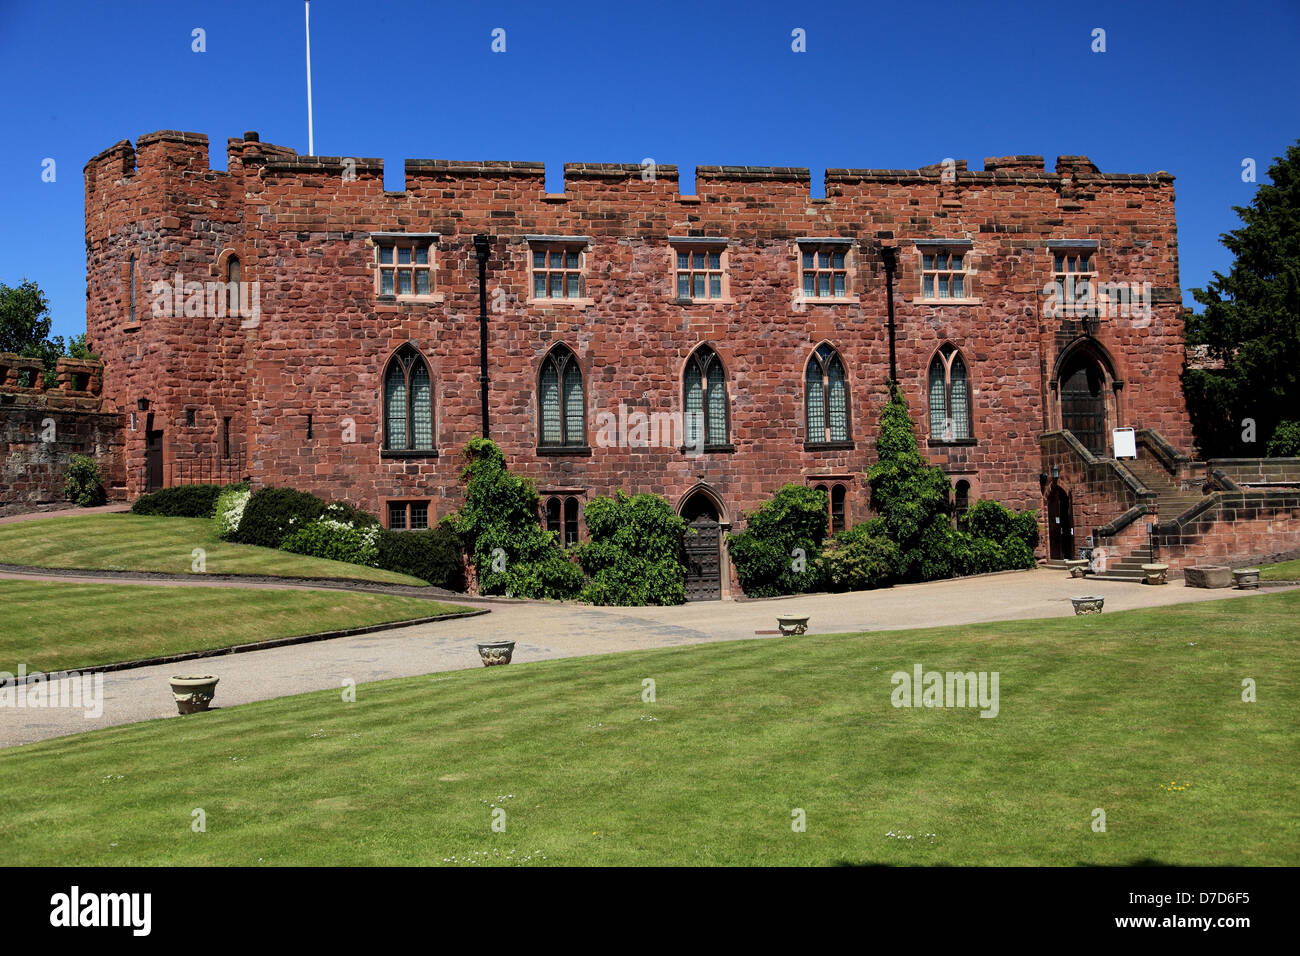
x=1124, y=441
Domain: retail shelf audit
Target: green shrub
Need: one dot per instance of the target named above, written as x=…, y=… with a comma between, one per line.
x=335, y=540
x=181, y=501
x=82, y=484
x=272, y=513
x=229, y=510
x=433, y=555
x=511, y=553
x=1285, y=442
x=634, y=552
x=989, y=519
x=777, y=551
x=1017, y=554
x=859, y=561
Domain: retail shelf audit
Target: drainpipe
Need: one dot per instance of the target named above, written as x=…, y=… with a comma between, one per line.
x=482, y=245
x=887, y=253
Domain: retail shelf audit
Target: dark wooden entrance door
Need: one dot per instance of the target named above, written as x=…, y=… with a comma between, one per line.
x=1083, y=403
x=153, y=458
x=703, y=558
x=1060, y=525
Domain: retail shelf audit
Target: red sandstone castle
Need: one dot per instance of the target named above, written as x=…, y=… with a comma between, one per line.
x=292, y=321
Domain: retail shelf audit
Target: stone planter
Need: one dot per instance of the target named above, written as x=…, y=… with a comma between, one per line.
x=1208, y=576
x=792, y=625
x=1246, y=579
x=496, y=652
x=194, y=693
x=1077, y=567
x=1156, y=573
x=1088, y=605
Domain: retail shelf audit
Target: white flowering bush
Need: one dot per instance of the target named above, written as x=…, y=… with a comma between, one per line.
x=336, y=540
x=230, y=510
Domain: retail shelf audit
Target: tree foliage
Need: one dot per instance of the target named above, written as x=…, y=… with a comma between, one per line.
x=1251, y=321
x=909, y=495
x=25, y=329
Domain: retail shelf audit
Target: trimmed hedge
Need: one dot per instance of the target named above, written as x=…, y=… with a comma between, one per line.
x=434, y=555
x=273, y=513
x=334, y=540
x=777, y=552
x=182, y=501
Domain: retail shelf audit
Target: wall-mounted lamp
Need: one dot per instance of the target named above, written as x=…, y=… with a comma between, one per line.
x=1056, y=472
x=142, y=404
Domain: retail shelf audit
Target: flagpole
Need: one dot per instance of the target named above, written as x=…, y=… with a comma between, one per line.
x=311, y=143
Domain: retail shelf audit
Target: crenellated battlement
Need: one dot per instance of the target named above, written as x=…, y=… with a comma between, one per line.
x=175, y=155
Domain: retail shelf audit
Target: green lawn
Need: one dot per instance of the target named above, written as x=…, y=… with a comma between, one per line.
x=57, y=626
x=1107, y=712
x=1285, y=571
x=127, y=542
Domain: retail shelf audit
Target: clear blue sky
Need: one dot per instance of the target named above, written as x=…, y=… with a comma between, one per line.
x=1190, y=87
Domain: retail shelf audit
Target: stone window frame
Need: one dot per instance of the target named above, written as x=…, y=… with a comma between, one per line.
x=706, y=246
x=246, y=256
x=234, y=273
x=561, y=357
x=407, y=505
x=949, y=247
x=1063, y=251
x=548, y=245
x=818, y=245
x=961, y=503
x=946, y=360
x=830, y=484
x=405, y=240
x=396, y=356
x=693, y=358
x=129, y=299
x=565, y=519
x=826, y=443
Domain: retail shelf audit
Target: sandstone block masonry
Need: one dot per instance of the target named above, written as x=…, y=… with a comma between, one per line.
x=297, y=396
x=42, y=428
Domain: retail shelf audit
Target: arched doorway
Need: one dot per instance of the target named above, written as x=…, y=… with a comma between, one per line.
x=1060, y=524
x=1083, y=401
x=702, y=545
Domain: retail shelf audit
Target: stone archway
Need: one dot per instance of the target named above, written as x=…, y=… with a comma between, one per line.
x=1086, y=393
x=702, y=544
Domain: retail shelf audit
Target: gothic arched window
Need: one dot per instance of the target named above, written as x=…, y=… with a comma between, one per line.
x=949, y=396
x=408, y=402
x=560, y=399
x=827, y=397
x=705, y=400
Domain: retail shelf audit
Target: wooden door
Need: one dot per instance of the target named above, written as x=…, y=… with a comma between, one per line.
x=153, y=460
x=1083, y=405
x=703, y=559
x=1060, y=525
